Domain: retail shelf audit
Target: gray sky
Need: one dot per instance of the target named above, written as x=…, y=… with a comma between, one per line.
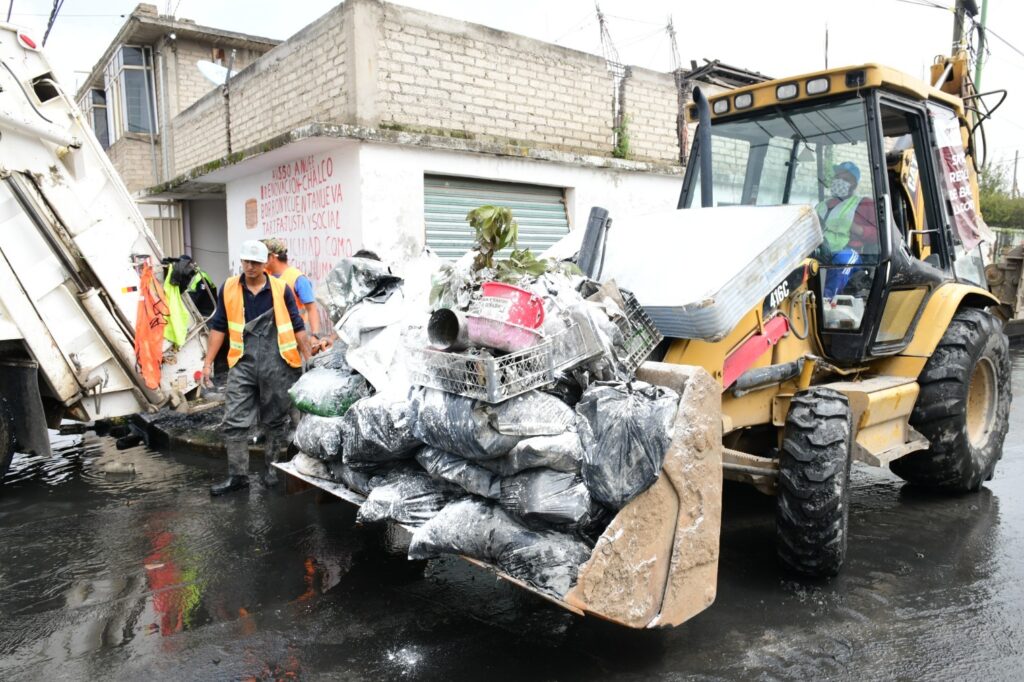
x=775, y=37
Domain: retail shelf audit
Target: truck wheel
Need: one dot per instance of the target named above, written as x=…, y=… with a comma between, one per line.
x=813, y=503
x=963, y=408
x=6, y=438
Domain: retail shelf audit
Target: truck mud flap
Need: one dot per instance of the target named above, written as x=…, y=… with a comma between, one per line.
x=19, y=384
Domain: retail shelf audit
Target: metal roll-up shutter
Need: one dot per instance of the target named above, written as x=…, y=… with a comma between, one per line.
x=540, y=212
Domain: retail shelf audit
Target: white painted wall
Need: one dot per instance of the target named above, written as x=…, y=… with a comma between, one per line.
x=208, y=225
x=382, y=204
x=311, y=202
x=392, y=190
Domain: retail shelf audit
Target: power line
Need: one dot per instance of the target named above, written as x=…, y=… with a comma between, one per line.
x=57, y=4
x=1006, y=42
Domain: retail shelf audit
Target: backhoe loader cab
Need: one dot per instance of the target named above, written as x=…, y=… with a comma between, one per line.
x=881, y=347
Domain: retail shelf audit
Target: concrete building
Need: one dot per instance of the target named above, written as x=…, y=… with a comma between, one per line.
x=379, y=126
x=146, y=77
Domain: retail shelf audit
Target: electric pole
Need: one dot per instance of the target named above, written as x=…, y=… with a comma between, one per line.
x=981, y=46
x=1015, y=192
x=963, y=9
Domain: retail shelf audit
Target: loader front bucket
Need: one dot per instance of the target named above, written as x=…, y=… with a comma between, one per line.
x=656, y=565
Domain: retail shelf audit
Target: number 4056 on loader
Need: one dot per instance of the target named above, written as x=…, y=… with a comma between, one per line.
x=883, y=345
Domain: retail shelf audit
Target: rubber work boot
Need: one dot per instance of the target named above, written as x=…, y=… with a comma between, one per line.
x=274, y=449
x=238, y=468
x=230, y=484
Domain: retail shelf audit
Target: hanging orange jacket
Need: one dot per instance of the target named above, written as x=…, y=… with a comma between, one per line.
x=150, y=320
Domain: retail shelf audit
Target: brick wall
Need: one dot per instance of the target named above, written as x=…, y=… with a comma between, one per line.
x=422, y=72
x=298, y=82
x=133, y=158
x=192, y=84
x=652, y=106
x=199, y=134
x=469, y=80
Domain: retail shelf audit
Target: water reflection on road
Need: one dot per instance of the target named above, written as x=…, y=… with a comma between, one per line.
x=110, y=575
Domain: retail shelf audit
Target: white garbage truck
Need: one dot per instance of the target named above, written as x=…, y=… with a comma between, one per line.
x=72, y=246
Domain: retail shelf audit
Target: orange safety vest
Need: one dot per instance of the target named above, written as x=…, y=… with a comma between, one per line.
x=235, y=309
x=291, y=276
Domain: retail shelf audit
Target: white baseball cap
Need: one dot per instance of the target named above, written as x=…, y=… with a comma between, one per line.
x=254, y=250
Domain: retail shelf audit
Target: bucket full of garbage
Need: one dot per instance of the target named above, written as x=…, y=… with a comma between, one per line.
x=531, y=441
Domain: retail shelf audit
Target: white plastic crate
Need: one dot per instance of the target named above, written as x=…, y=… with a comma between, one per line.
x=492, y=378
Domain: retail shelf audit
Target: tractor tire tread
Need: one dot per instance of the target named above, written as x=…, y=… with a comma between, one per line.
x=952, y=463
x=813, y=491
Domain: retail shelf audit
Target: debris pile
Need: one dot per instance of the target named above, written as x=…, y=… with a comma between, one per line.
x=500, y=420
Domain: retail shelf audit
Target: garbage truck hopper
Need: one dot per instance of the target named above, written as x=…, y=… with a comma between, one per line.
x=72, y=247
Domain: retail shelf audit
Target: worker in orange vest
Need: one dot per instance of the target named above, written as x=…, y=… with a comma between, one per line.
x=301, y=286
x=267, y=341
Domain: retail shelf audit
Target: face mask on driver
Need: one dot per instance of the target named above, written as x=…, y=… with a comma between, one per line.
x=841, y=188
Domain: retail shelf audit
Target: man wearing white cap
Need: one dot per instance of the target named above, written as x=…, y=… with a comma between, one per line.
x=267, y=340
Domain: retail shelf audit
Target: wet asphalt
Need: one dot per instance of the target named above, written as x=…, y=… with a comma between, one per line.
x=142, y=576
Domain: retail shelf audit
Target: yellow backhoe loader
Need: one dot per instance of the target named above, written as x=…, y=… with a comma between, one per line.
x=884, y=346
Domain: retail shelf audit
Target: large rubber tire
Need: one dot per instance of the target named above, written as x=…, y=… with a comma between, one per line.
x=813, y=500
x=6, y=438
x=963, y=408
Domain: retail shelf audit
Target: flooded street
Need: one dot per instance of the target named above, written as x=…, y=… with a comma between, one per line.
x=107, y=575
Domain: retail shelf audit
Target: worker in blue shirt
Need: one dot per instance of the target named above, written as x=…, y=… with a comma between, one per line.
x=301, y=286
x=267, y=341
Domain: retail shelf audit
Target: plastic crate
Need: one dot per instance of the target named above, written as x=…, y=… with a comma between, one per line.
x=639, y=334
x=497, y=378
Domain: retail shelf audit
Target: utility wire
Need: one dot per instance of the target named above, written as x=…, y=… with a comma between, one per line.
x=57, y=4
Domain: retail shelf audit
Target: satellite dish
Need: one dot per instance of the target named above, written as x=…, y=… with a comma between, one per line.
x=215, y=73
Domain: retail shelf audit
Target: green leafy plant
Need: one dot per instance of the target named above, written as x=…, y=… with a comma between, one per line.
x=495, y=230
x=621, y=150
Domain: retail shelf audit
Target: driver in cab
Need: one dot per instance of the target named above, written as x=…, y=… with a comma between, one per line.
x=848, y=223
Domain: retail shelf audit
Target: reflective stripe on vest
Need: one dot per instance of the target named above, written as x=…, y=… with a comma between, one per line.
x=234, y=307
x=291, y=276
x=836, y=223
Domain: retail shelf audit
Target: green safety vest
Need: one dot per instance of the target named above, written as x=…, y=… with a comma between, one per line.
x=200, y=277
x=838, y=222
x=176, y=330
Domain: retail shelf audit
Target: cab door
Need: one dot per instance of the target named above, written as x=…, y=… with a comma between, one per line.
x=921, y=259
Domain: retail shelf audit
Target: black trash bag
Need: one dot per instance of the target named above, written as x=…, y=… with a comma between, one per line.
x=459, y=471
x=333, y=358
x=319, y=436
x=565, y=388
x=546, y=496
x=549, y=561
x=626, y=430
x=481, y=530
x=563, y=452
x=355, y=279
x=480, y=431
x=327, y=392
x=354, y=479
x=456, y=424
x=410, y=499
x=533, y=413
x=377, y=429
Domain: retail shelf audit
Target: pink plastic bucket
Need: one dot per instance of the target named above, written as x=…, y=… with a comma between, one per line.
x=527, y=309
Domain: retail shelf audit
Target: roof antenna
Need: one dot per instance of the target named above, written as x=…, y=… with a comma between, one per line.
x=826, y=46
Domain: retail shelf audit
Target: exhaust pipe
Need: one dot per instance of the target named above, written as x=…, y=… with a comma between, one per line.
x=703, y=150
x=591, y=255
